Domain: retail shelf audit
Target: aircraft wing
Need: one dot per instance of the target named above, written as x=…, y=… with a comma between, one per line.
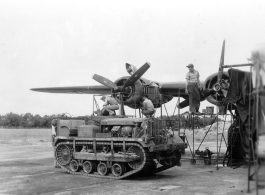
x=76, y=90
x=174, y=89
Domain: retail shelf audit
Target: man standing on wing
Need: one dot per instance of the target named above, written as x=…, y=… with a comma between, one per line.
x=193, y=86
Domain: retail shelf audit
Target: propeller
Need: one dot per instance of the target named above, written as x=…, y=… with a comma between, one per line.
x=217, y=86
x=122, y=111
x=136, y=75
x=220, y=71
x=129, y=82
x=130, y=68
x=213, y=91
x=104, y=81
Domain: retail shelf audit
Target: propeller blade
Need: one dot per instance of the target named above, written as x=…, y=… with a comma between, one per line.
x=220, y=71
x=104, y=81
x=130, y=68
x=130, y=81
x=122, y=111
x=99, y=89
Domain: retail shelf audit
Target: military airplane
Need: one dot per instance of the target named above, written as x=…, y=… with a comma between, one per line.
x=130, y=89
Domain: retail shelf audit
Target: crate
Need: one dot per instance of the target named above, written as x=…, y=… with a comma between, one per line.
x=222, y=109
x=210, y=109
x=88, y=131
x=64, y=126
x=63, y=131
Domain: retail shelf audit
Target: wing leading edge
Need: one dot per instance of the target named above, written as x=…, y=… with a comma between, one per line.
x=76, y=90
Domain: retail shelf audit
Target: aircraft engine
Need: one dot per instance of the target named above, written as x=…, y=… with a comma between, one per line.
x=127, y=90
x=211, y=83
x=131, y=95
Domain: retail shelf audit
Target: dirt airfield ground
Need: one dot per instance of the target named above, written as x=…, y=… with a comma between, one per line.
x=26, y=167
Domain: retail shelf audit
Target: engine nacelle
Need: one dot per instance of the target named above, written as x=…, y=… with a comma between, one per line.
x=211, y=83
x=132, y=94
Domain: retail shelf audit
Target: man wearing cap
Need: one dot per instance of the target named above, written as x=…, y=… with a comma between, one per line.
x=109, y=106
x=193, y=86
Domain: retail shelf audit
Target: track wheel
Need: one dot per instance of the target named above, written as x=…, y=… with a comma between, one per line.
x=63, y=154
x=102, y=168
x=74, y=166
x=139, y=152
x=89, y=166
x=118, y=169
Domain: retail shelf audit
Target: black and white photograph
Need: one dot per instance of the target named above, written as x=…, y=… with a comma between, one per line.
x=132, y=97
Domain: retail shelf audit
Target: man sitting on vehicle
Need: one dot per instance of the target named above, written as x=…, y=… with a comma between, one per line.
x=109, y=106
x=148, y=108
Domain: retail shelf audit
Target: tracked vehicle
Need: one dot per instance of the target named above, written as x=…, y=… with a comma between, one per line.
x=116, y=147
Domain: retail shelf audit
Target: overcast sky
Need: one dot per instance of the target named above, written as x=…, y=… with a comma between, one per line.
x=63, y=43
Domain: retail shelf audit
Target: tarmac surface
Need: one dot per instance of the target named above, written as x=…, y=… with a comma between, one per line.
x=27, y=168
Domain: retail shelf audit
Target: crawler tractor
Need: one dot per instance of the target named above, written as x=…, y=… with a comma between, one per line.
x=115, y=147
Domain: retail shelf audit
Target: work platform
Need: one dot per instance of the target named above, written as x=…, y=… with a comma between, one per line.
x=196, y=154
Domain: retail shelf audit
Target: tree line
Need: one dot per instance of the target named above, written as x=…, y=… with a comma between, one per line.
x=27, y=120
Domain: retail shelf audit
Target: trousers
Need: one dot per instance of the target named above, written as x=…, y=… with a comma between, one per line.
x=194, y=97
x=111, y=107
x=148, y=112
